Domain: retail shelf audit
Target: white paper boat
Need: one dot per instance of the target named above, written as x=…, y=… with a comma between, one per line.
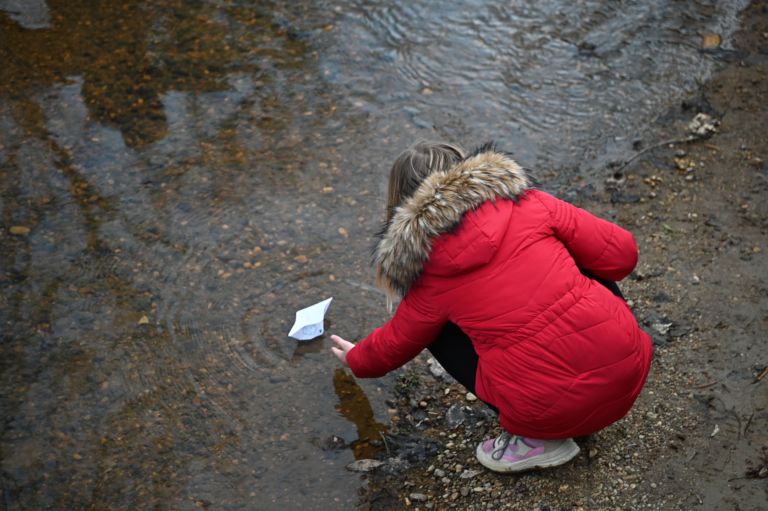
x=309, y=321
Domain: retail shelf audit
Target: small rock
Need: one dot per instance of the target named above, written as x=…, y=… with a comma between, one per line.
x=333, y=443
x=684, y=164
x=436, y=369
x=662, y=328
x=469, y=474
x=464, y=491
x=365, y=465
x=418, y=497
x=680, y=329
x=703, y=125
x=695, y=279
x=144, y=320
x=439, y=472
x=647, y=274
x=471, y=397
x=454, y=417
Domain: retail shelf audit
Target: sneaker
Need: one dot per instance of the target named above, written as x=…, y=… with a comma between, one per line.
x=512, y=453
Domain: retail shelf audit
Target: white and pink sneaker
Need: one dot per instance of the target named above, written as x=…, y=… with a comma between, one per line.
x=512, y=453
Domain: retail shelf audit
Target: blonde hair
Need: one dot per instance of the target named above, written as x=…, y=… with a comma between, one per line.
x=413, y=165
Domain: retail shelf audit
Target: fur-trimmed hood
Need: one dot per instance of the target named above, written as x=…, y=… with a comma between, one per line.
x=436, y=208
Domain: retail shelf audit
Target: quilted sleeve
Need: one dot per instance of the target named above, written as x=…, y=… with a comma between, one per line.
x=405, y=335
x=597, y=245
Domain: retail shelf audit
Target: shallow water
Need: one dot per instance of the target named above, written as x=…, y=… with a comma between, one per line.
x=178, y=177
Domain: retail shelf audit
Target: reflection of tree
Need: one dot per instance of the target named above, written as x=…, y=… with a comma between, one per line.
x=130, y=53
x=354, y=406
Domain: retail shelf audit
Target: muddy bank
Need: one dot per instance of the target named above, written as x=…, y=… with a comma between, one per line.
x=698, y=436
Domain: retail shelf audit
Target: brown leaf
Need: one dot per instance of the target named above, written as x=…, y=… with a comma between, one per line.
x=711, y=41
x=19, y=230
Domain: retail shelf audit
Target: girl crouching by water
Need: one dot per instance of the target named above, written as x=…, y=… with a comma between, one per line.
x=513, y=292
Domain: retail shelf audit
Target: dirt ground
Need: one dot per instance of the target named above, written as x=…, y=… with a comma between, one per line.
x=698, y=436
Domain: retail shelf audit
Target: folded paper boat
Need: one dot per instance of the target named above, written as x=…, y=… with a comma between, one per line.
x=309, y=321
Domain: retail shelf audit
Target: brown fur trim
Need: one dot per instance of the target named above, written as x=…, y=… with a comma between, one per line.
x=437, y=207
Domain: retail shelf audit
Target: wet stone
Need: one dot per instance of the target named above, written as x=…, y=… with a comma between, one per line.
x=333, y=443
x=366, y=465
x=418, y=497
x=454, y=417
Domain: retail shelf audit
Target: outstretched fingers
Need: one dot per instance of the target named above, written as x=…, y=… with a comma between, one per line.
x=342, y=346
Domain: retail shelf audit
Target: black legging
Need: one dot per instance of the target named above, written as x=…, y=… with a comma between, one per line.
x=455, y=352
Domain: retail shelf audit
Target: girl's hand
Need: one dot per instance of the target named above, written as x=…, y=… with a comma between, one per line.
x=341, y=349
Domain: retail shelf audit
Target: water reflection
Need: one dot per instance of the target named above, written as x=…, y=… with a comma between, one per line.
x=354, y=405
x=128, y=54
x=177, y=177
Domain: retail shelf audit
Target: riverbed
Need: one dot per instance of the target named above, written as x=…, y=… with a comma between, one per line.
x=178, y=177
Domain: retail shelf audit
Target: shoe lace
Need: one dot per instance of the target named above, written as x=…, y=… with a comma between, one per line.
x=501, y=443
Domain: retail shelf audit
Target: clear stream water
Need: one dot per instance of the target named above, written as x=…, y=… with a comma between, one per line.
x=178, y=177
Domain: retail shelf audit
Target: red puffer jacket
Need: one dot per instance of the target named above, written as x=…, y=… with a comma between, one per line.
x=559, y=354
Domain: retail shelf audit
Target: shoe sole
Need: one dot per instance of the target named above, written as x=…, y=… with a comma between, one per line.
x=563, y=454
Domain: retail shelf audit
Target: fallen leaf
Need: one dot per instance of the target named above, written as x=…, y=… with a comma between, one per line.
x=19, y=230
x=711, y=41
